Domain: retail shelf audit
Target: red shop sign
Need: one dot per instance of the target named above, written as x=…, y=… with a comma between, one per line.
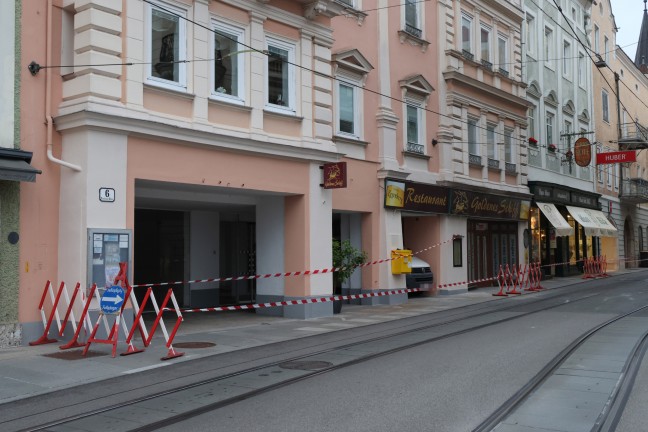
x=616, y=157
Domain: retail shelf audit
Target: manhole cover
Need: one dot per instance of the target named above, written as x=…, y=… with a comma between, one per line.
x=305, y=365
x=74, y=355
x=194, y=345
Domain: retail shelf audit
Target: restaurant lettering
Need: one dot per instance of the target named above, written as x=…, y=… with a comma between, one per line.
x=424, y=198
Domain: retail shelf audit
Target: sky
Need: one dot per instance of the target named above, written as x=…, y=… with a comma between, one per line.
x=628, y=15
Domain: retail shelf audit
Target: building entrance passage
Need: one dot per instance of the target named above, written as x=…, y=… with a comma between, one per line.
x=490, y=244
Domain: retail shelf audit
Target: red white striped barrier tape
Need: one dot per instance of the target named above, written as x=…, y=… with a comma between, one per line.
x=302, y=301
x=273, y=275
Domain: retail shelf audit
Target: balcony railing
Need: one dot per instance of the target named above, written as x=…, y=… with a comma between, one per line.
x=410, y=29
x=487, y=65
x=467, y=55
x=634, y=136
x=493, y=164
x=504, y=72
x=634, y=191
x=510, y=168
x=415, y=148
x=474, y=160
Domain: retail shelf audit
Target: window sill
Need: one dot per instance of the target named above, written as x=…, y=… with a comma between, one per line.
x=413, y=40
x=349, y=140
x=179, y=92
x=416, y=155
x=284, y=114
x=229, y=104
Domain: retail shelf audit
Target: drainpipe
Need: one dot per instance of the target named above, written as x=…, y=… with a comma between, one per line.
x=48, y=94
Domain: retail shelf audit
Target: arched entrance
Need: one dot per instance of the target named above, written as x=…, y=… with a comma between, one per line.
x=629, y=245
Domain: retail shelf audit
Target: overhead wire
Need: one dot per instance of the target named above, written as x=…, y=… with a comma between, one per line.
x=265, y=52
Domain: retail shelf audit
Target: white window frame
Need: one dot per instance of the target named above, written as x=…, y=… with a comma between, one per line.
x=605, y=106
x=502, y=54
x=473, y=145
x=489, y=31
x=531, y=35
x=239, y=34
x=419, y=104
x=469, y=20
x=509, y=153
x=568, y=124
x=597, y=36
x=581, y=69
x=606, y=48
x=417, y=5
x=608, y=168
x=181, y=84
x=491, y=144
x=549, y=128
x=343, y=78
x=567, y=59
x=548, y=47
x=617, y=175
x=291, y=49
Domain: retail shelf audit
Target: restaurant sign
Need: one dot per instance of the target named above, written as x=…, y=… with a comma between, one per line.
x=420, y=197
x=335, y=175
x=467, y=203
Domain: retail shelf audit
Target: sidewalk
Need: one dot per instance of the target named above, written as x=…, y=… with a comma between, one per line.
x=28, y=371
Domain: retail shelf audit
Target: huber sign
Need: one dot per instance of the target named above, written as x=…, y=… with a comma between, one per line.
x=616, y=157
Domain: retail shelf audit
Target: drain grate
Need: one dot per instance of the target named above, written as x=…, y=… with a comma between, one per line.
x=306, y=365
x=194, y=345
x=74, y=355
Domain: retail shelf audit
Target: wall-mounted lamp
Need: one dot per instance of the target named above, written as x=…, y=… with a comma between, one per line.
x=434, y=142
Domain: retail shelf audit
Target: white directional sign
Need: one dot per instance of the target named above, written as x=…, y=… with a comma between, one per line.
x=112, y=300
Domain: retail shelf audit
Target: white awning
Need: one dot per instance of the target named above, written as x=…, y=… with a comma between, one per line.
x=555, y=218
x=607, y=228
x=593, y=221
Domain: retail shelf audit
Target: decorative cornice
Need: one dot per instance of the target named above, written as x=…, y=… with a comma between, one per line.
x=521, y=103
x=96, y=116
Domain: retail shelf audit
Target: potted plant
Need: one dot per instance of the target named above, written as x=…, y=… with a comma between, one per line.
x=552, y=148
x=533, y=141
x=346, y=258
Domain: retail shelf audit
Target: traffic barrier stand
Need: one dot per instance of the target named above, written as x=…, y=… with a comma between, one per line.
x=603, y=268
x=501, y=281
x=533, y=278
x=588, y=268
x=138, y=322
x=513, y=278
x=47, y=321
x=159, y=321
x=84, y=321
x=113, y=332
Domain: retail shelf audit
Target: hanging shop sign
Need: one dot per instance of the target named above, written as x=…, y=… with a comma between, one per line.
x=335, y=175
x=616, y=157
x=417, y=197
x=582, y=152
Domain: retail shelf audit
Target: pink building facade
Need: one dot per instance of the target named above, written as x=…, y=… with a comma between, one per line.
x=187, y=138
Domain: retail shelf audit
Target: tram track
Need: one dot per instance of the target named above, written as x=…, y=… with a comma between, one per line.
x=611, y=412
x=352, y=353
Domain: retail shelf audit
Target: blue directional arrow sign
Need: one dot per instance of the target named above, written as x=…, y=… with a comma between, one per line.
x=112, y=300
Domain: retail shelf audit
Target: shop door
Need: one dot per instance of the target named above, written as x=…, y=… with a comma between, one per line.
x=490, y=245
x=237, y=258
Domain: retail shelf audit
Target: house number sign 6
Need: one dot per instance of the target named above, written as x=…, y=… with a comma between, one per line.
x=106, y=194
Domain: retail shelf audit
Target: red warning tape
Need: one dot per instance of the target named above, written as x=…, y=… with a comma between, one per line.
x=273, y=275
x=303, y=301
